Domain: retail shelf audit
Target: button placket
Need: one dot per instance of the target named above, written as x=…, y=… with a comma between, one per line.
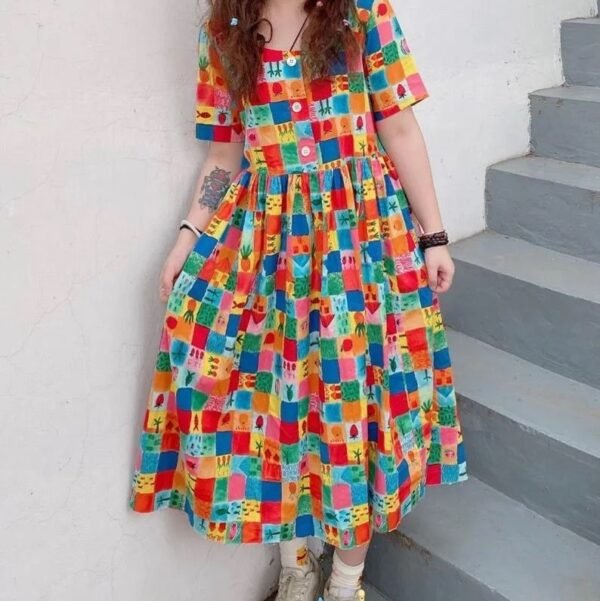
x=307, y=145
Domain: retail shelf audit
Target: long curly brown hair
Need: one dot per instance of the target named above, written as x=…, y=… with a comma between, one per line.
x=325, y=37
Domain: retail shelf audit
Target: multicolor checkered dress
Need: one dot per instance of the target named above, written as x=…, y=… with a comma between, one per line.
x=303, y=384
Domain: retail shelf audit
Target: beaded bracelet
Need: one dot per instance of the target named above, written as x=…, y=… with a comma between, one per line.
x=433, y=239
x=188, y=225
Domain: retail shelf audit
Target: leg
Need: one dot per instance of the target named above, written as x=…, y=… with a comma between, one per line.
x=300, y=576
x=353, y=557
x=348, y=567
x=294, y=554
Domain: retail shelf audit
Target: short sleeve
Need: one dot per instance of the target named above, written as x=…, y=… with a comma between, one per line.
x=393, y=78
x=216, y=118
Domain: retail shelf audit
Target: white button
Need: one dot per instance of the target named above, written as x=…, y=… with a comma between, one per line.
x=291, y=61
x=296, y=107
x=305, y=151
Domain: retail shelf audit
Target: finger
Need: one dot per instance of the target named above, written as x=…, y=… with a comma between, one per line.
x=444, y=282
x=432, y=275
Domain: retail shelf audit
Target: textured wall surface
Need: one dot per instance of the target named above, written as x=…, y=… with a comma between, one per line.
x=98, y=159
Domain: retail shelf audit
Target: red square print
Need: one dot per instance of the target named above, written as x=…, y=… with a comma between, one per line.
x=391, y=323
x=321, y=89
x=362, y=533
x=203, y=491
x=398, y=404
x=290, y=349
x=417, y=339
x=338, y=454
x=144, y=502
x=314, y=422
x=351, y=278
x=289, y=432
x=346, y=145
x=270, y=512
x=408, y=281
x=210, y=421
x=251, y=532
x=200, y=336
x=241, y=443
x=164, y=481
x=273, y=156
x=316, y=487
x=262, y=93
x=185, y=419
x=434, y=473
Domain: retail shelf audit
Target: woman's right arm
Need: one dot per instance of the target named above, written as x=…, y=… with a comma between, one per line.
x=221, y=165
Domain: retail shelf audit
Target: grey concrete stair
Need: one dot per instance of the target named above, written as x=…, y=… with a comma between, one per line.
x=530, y=433
x=373, y=594
x=581, y=51
x=548, y=202
x=565, y=124
x=539, y=304
x=469, y=542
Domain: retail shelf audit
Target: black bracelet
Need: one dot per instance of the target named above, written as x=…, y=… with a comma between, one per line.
x=434, y=239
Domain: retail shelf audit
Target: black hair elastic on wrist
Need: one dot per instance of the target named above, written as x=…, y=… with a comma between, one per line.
x=433, y=239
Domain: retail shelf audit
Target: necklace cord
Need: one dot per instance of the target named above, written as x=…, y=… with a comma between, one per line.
x=265, y=41
x=299, y=31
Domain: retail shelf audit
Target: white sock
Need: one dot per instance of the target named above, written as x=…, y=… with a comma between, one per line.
x=294, y=554
x=345, y=579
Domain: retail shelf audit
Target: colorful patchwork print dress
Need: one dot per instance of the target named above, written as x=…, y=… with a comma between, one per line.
x=303, y=384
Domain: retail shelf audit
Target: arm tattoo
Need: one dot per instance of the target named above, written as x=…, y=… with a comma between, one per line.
x=214, y=187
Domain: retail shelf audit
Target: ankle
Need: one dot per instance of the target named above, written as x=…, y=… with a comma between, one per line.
x=295, y=556
x=345, y=580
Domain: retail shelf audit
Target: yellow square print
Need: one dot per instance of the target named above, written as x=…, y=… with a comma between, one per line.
x=360, y=514
x=250, y=510
x=144, y=483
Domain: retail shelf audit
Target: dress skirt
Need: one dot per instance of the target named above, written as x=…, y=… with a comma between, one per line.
x=303, y=382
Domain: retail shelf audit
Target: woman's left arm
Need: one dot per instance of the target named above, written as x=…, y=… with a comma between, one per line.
x=403, y=141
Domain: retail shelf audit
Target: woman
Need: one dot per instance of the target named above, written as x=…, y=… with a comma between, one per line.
x=303, y=384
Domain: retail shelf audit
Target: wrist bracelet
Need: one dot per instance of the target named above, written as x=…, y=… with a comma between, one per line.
x=188, y=225
x=433, y=239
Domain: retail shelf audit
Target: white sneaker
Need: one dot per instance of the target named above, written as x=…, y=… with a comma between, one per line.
x=295, y=586
x=359, y=595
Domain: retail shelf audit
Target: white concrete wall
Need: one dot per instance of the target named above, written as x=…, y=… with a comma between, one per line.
x=98, y=159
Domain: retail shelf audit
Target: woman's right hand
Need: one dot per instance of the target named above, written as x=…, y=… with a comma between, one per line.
x=174, y=263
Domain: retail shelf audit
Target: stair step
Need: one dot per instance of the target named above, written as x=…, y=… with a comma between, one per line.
x=469, y=542
x=565, y=124
x=530, y=433
x=539, y=304
x=548, y=202
x=581, y=51
x=373, y=594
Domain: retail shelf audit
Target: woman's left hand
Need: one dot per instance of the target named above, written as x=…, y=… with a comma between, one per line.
x=440, y=268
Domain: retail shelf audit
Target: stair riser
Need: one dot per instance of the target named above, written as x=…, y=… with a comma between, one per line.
x=568, y=130
x=556, y=216
x=547, y=328
x=581, y=53
x=557, y=481
x=404, y=571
